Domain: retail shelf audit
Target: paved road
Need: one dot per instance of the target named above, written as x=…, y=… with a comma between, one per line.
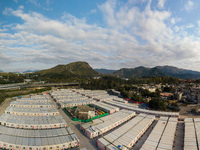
x=179, y=137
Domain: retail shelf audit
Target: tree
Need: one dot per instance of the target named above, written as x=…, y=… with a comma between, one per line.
x=145, y=93
x=157, y=104
x=137, y=98
x=168, y=89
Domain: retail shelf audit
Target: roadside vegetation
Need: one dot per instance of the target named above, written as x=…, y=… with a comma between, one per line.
x=13, y=93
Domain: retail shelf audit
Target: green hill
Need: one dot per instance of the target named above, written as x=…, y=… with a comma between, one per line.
x=163, y=71
x=138, y=72
x=71, y=70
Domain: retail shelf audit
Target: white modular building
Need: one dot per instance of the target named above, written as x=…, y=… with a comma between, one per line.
x=106, y=107
x=19, y=139
x=140, y=110
x=126, y=135
x=32, y=104
x=197, y=129
x=162, y=136
x=25, y=111
x=35, y=128
x=76, y=103
x=107, y=123
x=32, y=122
x=190, y=142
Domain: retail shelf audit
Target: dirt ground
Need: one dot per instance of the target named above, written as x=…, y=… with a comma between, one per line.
x=185, y=111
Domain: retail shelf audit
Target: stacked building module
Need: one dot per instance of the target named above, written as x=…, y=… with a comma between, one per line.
x=140, y=110
x=69, y=98
x=105, y=124
x=190, y=140
x=162, y=136
x=197, y=129
x=126, y=135
x=24, y=127
x=106, y=107
x=100, y=95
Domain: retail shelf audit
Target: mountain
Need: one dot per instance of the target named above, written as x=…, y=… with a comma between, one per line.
x=171, y=71
x=30, y=71
x=179, y=73
x=175, y=70
x=138, y=72
x=1, y=71
x=71, y=70
x=105, y=71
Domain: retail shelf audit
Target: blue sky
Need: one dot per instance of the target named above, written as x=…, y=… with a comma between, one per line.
x=113, y=34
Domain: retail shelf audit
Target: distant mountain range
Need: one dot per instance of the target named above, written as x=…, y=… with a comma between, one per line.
x=83, y=69
x=171, y=71
x=1, y=71
x=30, y=71
x=105, y=71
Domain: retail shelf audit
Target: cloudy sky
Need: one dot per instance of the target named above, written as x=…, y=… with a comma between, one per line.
x=113, y=34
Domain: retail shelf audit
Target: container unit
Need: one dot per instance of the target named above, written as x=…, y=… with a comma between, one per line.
x=19, y=143
x=127, y=135
x=120, y=100
x=35, y=133
x=32, y=122
x=32, y=104
x=66, y=99
x=30, y=100
x=197, y=129
x=40, y=96
x=107, y=123
x=76, y=103
x=35, y=128
x=105, y=97
x=190, y=142
x=106, y=107
x=156, y=134
x=139, y=110
x=31, y=111
x=167, y=139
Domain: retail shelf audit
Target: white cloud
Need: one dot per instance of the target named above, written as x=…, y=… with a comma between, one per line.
x=130, y=37
x=198, y=22
x=21, y=7
x=173, y=21
x=189, y=5
x=93, y=11
x=34, y=2
x=7, y=11
x=190, y=26
x=161, y=4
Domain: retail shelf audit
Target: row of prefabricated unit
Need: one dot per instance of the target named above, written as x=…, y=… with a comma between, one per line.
x=192, y=134
x=140, y=110
x=32, y=111
x=99, y=126
x=32, y=104
x=105, y=107
x=24, y=128
x=126, y=135
x=162, y=136
x=32, y=122
x=70, y=98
